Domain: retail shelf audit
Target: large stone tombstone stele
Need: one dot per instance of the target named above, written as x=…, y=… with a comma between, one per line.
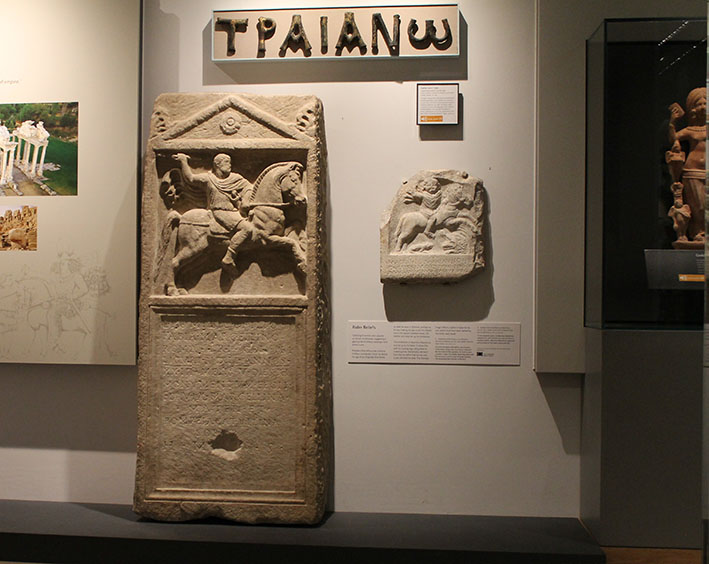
x=433, y=229
x=234, y=364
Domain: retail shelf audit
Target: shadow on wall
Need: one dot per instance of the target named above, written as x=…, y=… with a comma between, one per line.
x=164, y=71
x=103, y=314
x=445, y=132
x=563, y=393
x=320, y=70
x=68, y=407
x=467, y=300
x=327, y=281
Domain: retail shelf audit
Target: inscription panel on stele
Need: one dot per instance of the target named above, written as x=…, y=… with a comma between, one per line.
x=201, y=386
x=234, y=405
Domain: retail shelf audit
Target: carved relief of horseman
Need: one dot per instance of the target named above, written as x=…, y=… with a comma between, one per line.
x=231, y=215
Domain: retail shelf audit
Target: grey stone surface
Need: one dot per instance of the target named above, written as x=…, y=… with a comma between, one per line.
x=234, y=363
x=433, y=229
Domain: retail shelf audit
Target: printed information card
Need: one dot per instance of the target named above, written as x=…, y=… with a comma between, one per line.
x=438, y=342
x=437, y=104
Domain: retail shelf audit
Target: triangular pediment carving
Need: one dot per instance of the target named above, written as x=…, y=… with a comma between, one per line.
x=233, y=117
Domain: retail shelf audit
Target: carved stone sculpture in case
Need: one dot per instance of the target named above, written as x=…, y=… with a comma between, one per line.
x=433, y=230
x=688, y=170
x=234, y=366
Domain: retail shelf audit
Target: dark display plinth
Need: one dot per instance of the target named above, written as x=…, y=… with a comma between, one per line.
x=642, y=438
x=674, y=269
x=78, y=533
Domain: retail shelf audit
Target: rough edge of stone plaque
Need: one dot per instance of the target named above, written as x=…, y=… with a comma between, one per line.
x=307, y=128
x=420, y=244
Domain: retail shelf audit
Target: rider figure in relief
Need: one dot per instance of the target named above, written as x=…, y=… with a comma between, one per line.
x=225, y=190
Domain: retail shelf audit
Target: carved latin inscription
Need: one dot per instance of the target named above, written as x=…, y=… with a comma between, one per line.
x=241, y=390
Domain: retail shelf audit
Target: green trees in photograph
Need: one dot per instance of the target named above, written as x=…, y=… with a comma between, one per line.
x=64, y=180
x=61, y=119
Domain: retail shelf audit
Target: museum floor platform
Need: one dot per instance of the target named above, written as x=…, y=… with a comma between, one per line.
x=82, y=533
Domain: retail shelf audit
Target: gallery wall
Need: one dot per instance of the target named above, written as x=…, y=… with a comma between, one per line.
x=438, y=439
x=434, y=439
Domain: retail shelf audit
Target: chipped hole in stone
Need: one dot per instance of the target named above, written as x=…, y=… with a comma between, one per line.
x=226, y=445
x=226, y=440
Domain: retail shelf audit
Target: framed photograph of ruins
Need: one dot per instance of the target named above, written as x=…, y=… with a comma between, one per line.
x=39, y=147
x=18, y=228
x=68, y=176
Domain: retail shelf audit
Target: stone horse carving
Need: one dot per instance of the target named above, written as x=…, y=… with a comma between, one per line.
x=277, y=188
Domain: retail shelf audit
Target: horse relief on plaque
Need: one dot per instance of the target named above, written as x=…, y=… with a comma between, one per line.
x=433, y=230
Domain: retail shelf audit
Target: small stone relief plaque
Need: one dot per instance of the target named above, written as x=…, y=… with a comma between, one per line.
x=433, y=230
x=234, y=366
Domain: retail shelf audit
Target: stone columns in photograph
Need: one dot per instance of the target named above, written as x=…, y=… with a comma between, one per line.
x=7, y=155
x=33, y=141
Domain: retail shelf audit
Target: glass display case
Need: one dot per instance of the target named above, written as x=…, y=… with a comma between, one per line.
x=645, y=174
